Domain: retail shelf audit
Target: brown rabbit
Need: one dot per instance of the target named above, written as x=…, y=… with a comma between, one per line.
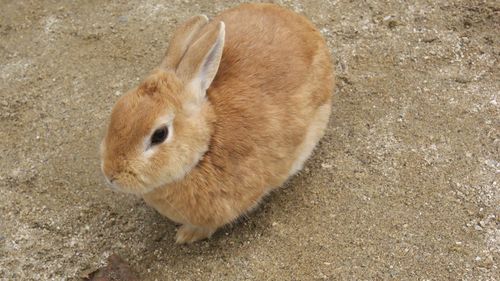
x=235, y=108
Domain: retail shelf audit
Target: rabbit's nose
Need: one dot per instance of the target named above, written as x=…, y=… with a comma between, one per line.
x=111, y=179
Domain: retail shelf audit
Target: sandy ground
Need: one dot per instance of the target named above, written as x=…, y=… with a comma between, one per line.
x=404, y=186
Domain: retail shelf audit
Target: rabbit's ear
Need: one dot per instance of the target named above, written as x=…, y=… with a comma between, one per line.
x=182, y=38
x=200, y=63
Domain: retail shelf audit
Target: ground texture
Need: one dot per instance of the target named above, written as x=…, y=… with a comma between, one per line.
x=404, y=186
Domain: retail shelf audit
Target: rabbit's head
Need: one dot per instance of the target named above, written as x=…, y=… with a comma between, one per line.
x=160, y=130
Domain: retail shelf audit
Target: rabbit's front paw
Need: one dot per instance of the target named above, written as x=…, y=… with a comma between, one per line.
x=189, y=234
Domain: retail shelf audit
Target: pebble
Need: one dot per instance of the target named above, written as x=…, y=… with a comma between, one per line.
x=429, y=39
x=122, y=19
x=491, y=163
x=326, y=166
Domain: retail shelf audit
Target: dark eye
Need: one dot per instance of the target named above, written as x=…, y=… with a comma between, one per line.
x=160, y=135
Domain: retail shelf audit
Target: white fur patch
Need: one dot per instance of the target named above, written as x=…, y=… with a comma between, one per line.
x=196, y=99
x=314, y=133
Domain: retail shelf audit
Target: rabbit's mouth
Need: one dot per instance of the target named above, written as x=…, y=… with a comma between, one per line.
x=127, y=182
x=111, y=182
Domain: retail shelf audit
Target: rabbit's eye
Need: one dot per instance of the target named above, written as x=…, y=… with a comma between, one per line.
x=160, y=135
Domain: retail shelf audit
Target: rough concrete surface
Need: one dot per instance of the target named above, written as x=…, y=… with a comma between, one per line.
x=404, y=186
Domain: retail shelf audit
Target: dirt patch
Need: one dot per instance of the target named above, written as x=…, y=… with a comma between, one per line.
x=404, y=185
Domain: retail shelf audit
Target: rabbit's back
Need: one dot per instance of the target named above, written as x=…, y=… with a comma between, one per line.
x=274, y=75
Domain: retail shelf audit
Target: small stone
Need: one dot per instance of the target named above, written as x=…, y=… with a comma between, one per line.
x=122, y=19
x=129, y=227
x=393, y=23
x=16, y=172
x=491, y=163
x=429, y=39
x=326, y=165
x=117, y=269
x=487, y=262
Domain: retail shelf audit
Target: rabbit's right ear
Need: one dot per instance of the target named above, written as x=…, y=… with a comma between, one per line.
x=200, y=63
x=183, y=36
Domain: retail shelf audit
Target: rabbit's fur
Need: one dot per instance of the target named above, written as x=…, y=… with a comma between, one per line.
x=245, y=98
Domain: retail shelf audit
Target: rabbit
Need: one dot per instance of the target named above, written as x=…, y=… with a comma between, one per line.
x=233, y=110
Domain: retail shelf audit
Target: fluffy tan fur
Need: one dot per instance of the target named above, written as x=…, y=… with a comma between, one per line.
x=262, y=115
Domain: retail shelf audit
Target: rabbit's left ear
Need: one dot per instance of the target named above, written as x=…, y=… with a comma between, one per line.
x=182, y=38
x=200, y=63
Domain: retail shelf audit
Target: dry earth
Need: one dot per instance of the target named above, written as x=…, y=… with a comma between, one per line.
x=404, y=186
